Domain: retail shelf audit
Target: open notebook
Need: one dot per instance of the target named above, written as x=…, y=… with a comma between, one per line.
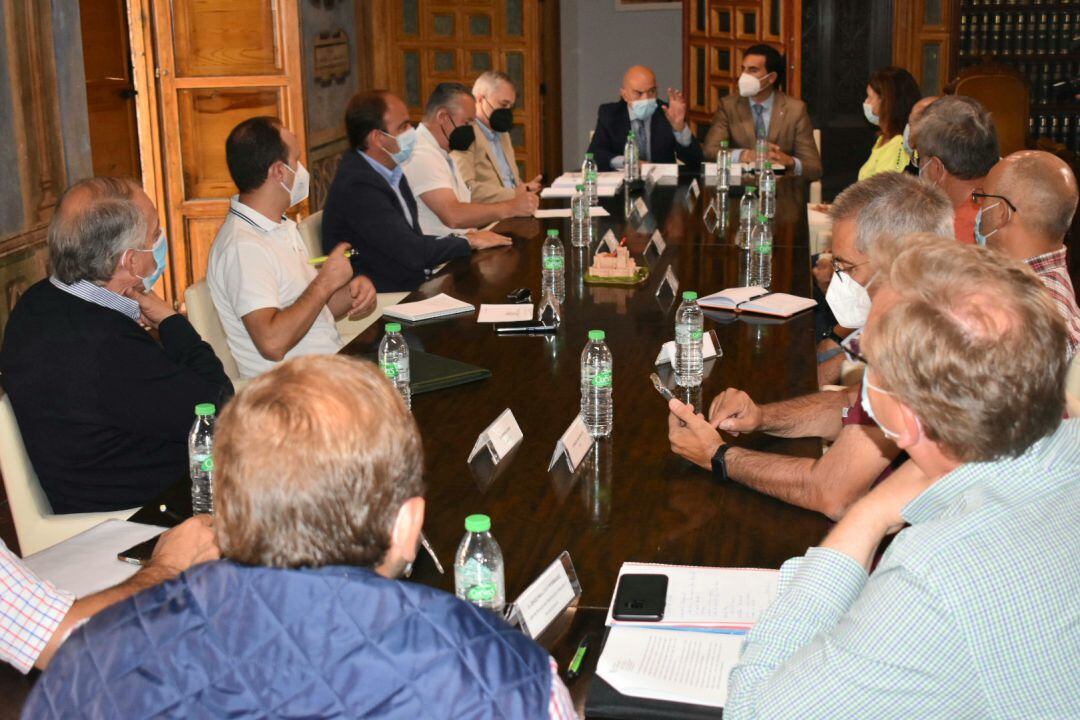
x=756, y=299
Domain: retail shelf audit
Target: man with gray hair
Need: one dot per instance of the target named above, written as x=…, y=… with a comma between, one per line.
x=445, y=201
x=104, y=406
x=489, y=167
x=957, y=144
x=868, y=215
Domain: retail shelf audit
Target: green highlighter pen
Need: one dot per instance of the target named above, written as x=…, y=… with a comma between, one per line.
x=574, y=668
x=323, y=258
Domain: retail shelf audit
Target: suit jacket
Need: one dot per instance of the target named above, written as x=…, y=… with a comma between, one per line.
x=789, y=127
x=103, y=407
x=613, y=125
x=480, y=169
x=363, y=210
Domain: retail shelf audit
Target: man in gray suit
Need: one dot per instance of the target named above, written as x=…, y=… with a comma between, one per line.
x=762, y=110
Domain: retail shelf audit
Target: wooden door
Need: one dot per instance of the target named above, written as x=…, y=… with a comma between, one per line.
x=715, y=35
x=921, y=42
x=218, y=62
x=110, y=92
x=436, y=41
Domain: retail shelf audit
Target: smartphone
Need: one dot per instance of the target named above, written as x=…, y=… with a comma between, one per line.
x=640, y=598
x=660, y=387
x=139, y=554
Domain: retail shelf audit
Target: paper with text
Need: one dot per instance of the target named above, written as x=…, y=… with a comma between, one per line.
x=519, y=312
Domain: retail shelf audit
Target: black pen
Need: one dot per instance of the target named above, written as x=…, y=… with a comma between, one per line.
x=574, y=669
x=526, y=330
x=170, y=514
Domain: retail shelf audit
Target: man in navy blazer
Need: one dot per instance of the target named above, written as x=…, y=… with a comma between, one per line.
x=662, y=136
x=371, y=207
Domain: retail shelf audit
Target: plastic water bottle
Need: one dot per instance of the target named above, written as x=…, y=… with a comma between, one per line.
x=747, y=213
x=201, y=458
x=587, y=167
x=553, y=261
x=632, y=164
x=723, y=167
x=767, y=203
x=689, y=330
x=478, y=566
x=580, y=223
x=596, y=379
x=762, y=152
x=592, y=195
x=394, y=361
x=761, y=242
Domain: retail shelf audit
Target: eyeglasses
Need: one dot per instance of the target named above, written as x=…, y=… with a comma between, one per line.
x=838, y=267
x=977, y=196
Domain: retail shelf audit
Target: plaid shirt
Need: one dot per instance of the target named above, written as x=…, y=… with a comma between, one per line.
x=30, y=611
x=974, y=611
x=1054, y=272
x=560, y=707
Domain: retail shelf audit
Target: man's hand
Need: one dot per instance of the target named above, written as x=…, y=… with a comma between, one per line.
x=154, y=310
x=524, y=203
x=733, y=411
x=535, y=184
x=676, y=109
x=337, y=270
x=364, y=299
x=189, y=543
x=777, y=155
x=483, y=239
x=696, y=441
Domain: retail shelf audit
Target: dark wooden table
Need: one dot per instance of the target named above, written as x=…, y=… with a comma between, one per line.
x=632, y=499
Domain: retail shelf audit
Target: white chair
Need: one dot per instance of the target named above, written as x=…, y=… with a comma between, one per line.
x=311, y=231
x=815, y=187
x=204, y=318
x=1072, y=387
x=35, y=524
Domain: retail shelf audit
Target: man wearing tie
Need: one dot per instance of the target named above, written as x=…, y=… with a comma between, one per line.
x=661, y=137
x=371, y=207
x=761, y=110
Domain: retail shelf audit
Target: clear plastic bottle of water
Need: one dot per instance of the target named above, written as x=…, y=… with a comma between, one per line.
x=767, y=203
x=761, y=150
x=592, y=194
x=761, y=246
x=588, y=166
x=479, y=577
x=201, y=458
x=580, y=222
x=394, y=360
x=689, y=331
x=723, y=167
x=553, y=261
x=747, y=212
x=632, y=164
x=596, y=381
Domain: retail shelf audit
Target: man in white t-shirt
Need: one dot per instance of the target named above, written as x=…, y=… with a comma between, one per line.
x=446, y=205
x=273, y=304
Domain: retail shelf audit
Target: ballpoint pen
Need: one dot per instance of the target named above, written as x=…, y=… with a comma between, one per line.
x=574, y=668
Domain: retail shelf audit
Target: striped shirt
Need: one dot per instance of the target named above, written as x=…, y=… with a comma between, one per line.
x=88, y=291
x=30, y=611
x=1054, y=272
x=560, y=707
x=973, y=611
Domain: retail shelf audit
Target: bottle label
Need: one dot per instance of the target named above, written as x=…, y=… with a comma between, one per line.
x=391, y=369
x=696, y=334
x=208, y=464
x=602, y=379
x=554, y=262
x=484, y=592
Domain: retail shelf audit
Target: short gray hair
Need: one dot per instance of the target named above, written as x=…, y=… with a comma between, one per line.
x=87, y=241
x=444, y=96
x=959, y=131
x=889, y=205
x=489, y=80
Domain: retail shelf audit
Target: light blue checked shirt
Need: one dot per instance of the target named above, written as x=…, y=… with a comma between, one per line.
x=88, y=291
x=974, y=611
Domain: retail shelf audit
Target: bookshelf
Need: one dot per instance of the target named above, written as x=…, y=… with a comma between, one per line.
x=1040, y=40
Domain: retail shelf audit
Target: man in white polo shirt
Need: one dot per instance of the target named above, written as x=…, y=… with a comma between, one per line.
x=273, y=304
x=446, y=206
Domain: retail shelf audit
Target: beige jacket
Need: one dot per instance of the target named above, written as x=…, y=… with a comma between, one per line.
x=789, y=127
x=480, y=169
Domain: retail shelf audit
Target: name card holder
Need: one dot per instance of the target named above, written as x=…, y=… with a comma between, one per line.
x=710, y=348
x=669, y=285
x=608, y=239
x=546, y=598
x=499, y=438
x=640, y=209
x=610, y=242
x=656, y=244
x=574, y=445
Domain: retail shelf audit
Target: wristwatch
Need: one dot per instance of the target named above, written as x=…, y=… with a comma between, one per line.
x=719, y=464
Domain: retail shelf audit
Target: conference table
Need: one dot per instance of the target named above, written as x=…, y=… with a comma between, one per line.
x=631, y=498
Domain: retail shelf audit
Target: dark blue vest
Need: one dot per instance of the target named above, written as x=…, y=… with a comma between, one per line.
x=225, y=640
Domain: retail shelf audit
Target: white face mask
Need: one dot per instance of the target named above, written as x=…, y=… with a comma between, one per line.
x=299, y=191
x=749, y=86
x=906, y=139
x=848, y=300
x=868, y=111
x=865, y=399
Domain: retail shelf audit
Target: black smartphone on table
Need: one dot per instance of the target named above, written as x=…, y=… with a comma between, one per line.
x=640, y=598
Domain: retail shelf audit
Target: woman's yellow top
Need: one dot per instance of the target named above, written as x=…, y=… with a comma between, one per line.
x=886, y=157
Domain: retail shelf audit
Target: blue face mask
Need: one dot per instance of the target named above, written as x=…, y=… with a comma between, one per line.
x=980, y=239
x=406, y=142
x=643, y=109
x=161, y=257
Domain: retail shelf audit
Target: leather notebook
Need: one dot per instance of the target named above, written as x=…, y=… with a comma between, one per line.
x=429, y=372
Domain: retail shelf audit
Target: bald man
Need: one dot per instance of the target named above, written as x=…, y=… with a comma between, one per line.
x=661, y=136
x=1025, y=210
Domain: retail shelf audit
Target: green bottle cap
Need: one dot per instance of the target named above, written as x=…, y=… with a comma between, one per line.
x=632, y=136
x=205, y=409
x=723, y=143
x=579, y=188
x=750, y=188
x=689, y=295
x=588, y=156
x=478, y=523
x=393, y=327
x=768, y=165
x=553, y=233
x=596, y=335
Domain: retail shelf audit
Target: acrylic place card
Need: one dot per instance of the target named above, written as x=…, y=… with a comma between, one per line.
x=574, y=445
x=546, y=597
x=500, y=437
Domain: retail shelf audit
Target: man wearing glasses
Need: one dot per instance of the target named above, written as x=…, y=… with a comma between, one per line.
x=873, y=212
x=1027, y=208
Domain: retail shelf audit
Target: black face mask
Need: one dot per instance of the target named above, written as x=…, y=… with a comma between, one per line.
x=501, y=120
x=462, y=137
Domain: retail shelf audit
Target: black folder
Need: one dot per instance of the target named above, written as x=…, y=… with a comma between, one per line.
x=429, y=372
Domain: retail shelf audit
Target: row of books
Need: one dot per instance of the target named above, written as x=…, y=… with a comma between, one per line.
x=1036, y=32
x=1063, y=128
x=1049, y=81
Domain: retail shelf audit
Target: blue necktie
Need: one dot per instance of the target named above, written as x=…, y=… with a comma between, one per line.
x=642, y=143
x=759, y=120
